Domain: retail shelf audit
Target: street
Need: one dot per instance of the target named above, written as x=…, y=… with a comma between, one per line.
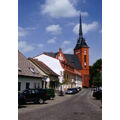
x=75, y=107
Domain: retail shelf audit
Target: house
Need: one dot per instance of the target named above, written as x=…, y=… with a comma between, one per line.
x=28, y=75
x=76, y=66
x=51, y=80
x=54, y=64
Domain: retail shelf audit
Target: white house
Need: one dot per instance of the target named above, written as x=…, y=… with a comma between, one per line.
x=28, y=75
x=53, y=64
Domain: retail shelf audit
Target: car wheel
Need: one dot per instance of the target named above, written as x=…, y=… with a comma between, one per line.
x=41, y=101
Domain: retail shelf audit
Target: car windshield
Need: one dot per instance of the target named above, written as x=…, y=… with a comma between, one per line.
x=70, y=89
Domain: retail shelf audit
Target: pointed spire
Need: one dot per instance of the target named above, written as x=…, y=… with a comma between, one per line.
x=81, y=41
x=80, y=28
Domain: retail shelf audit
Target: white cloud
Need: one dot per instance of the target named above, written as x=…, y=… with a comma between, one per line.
x=84, y=13
x=65, y=43
x=22, y=32
x=31, y=28
x=60, y=8
x=69, y=50
x=86, y=27
x=24, y=47
x=40, y=45
x=54, y=29
x=70, y=23
x=51, y=41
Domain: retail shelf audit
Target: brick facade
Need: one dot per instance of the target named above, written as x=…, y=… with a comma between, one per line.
x=85, y=65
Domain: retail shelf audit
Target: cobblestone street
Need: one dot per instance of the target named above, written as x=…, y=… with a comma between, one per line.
x=76, y=107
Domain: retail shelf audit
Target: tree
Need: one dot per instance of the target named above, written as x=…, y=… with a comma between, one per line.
x=96, y=74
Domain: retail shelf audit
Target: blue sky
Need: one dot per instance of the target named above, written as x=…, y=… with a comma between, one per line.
x=47, y=25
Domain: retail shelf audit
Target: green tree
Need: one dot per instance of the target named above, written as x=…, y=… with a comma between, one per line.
x=96, y=73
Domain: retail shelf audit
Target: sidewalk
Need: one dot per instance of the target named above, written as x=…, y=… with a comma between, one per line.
x=94, y=101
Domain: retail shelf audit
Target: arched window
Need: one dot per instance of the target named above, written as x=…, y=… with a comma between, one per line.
x=84, y=52
x=85, y=59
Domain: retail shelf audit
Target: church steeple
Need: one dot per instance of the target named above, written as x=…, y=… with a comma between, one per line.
x=80, y=27
x=82, y=51
x=81, y=41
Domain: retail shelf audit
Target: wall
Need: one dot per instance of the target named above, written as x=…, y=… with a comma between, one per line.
x=31, y=80
x=79, y=81
x=85, y=70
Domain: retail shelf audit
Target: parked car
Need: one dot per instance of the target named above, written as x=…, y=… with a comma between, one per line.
x=78, y=88
x=50, y=92
x=97, y=94
x=35, y=95
x=21, y=99
x=71, y=91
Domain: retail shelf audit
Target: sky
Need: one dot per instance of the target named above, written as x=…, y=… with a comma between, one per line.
x=47, y=25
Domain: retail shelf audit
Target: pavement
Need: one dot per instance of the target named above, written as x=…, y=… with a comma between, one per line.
x=81, y=106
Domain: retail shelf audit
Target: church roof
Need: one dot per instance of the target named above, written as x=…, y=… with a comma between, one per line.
x=81, y=41
x=71, y=58
x=51, y=54
x=80, y=44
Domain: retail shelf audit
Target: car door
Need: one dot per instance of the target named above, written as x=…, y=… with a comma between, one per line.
x=33, y=95
x=27, y=94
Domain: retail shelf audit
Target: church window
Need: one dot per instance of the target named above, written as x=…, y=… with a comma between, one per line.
x=84, y=58
x=85, y=52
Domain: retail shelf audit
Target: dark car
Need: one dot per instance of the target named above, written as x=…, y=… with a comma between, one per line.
x=97, y=94
x=71, y=91
x=50, y=92
x=35, y=95
x=78, y=88
x=21, y=99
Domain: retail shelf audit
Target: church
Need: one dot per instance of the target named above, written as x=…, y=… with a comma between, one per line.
x=76, y=66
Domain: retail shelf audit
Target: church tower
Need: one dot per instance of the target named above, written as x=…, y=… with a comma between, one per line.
x=82, y=50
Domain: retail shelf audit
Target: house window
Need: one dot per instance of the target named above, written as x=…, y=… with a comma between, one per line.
x=34, y=85
x=42, y=84
x=19, y=69
x=60, y=73
x=19, y=86
x=38, y=85
x=27, y=85
x=45, y=84
x=32, y=70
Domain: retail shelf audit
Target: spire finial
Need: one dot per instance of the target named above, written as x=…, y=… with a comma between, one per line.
x=80, y=27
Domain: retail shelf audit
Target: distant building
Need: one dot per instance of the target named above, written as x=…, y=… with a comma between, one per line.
x=28, y=75
x=76, y=66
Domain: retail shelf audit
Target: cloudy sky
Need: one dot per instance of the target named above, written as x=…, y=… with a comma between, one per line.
x=47, y=25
